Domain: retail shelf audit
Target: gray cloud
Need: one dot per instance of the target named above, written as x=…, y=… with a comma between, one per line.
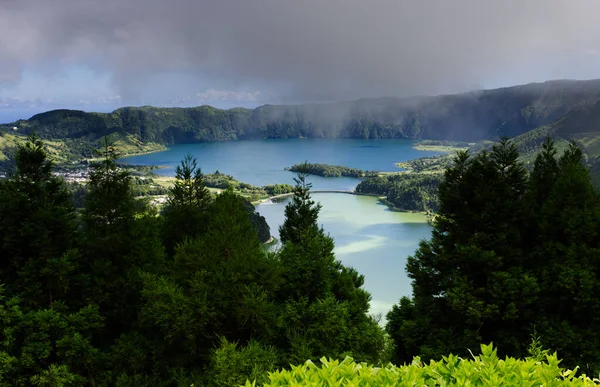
x=303, y=50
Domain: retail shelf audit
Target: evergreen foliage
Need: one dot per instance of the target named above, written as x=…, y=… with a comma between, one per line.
x=185, y=212
x=92, y=299
x=301, y=213
x=509, y=252
x=36, y=226
x=326, y=309
x=328, y=170
x=405, y=191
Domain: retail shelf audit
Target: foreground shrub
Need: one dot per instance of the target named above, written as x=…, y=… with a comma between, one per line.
x=483, y=370
x=232, y=364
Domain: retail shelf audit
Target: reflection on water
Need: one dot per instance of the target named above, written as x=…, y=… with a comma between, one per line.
x=369, y=237
x=368, y=243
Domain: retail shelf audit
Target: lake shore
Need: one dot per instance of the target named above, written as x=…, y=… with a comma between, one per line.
x=441, y=146
x=146, y=150
x=382, y=199
x=255, y=150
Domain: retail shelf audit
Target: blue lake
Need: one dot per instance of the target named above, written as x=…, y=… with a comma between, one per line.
x=368, y=236
x=262, y=162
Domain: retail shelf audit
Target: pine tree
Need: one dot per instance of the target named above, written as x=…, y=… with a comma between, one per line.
x=301, y=213
x=469, y=283
x=36, y=228
x=565, y=258
x=46, y=339
x=185, y=211
x=221, y=286
x=318, y=290
x=120, y=237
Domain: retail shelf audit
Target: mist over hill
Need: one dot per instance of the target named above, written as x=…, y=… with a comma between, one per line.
x=472, y=116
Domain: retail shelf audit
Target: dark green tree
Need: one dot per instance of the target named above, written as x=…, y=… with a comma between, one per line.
x=48, y=345
x=120, y=238
x=565, y=257
x=185, y=211
x=301, y=213
x=507, y=256
x=326, y=310
x=36, y=229
x=46, y=340
x=221, y=287
x=470, y=284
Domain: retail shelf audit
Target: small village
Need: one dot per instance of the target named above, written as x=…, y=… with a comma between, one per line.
x=79, y=175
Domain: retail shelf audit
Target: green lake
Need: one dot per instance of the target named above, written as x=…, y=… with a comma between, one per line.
x=368, y=236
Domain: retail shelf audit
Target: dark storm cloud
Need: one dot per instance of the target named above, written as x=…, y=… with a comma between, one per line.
x=302, y=50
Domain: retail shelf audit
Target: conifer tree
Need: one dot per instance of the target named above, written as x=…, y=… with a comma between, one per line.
x=301, y=213
x=469, y=282
x=45, y=339
x=185, y=211
x=36, y=228
x=565, y=258
x=120, y=237
x=318, y=290
x=221, y=287
x=507, y=257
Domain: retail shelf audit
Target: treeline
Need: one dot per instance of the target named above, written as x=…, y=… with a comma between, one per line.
x=222, y=181
x=507, y=111
x=327, y=170
x=278, y=189
x=405, y=191
x=457, y=144
x=144, y=185
x=427, y=164
x=140, y=187
x=511, y=253
x=117, y=294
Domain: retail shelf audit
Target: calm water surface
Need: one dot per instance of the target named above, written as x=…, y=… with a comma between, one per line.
x=368, y=236
x=262, y=162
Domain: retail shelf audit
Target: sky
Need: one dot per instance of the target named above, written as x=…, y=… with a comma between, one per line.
x=102, y=54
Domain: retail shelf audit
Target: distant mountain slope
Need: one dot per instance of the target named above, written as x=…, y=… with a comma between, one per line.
x=472, y=116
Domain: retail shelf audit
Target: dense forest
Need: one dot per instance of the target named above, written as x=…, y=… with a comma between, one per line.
x=116, y=293
x=511, y=253
x=405, y=191
x=327, y=170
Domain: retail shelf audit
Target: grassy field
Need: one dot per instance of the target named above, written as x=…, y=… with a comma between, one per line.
x=64, y=152
x=442, y=146
x=129, y=146
x=439, y=148
x=56, y=149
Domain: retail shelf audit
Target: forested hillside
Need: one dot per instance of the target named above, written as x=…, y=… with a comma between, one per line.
x=417, y=189
x=474, y=116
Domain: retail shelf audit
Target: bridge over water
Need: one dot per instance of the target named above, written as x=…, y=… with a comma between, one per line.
x=351, y=192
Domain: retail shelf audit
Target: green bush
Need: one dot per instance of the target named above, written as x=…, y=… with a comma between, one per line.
x=232, y=364
x=483, y=370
